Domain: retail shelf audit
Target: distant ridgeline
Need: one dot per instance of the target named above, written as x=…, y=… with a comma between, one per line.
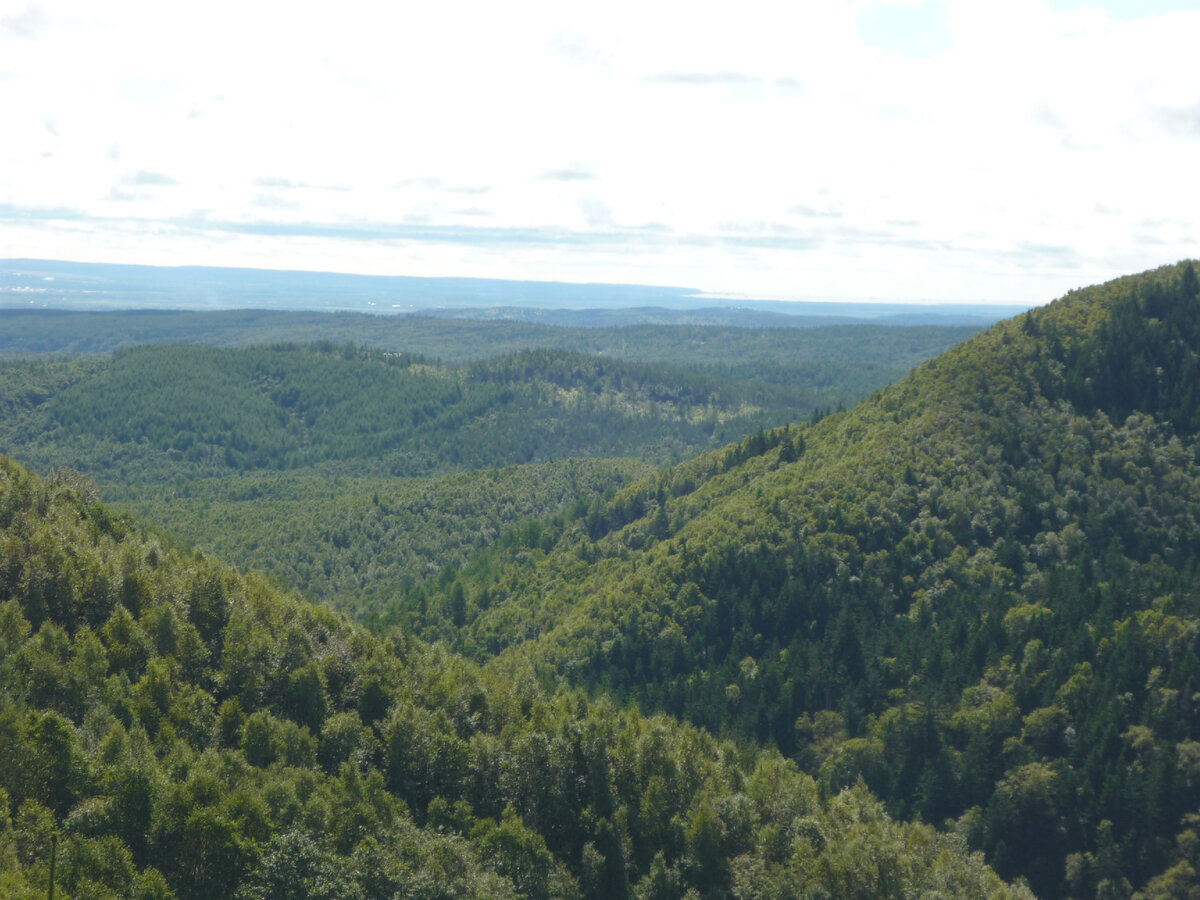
x=979, y=591
x=458, y=339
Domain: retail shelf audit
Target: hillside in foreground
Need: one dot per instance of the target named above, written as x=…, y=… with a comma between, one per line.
x=978, y=591
x=185, y=732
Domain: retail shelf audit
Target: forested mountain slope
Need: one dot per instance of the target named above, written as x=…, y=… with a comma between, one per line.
x=185, y=732
x=979, y=591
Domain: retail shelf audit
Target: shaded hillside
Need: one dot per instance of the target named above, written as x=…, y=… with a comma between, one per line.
x=978, y=590
x=188, y=733
x=357, y=543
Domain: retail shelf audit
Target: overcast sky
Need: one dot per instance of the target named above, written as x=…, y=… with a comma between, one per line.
x=977, y=150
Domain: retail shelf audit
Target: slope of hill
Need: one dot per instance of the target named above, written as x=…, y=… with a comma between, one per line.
x=978, y=590
x=183, y=732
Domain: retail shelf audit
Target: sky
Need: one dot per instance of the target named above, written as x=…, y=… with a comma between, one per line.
x=948, y=150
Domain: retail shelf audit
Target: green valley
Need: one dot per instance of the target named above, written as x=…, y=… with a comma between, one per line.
x=350, y=473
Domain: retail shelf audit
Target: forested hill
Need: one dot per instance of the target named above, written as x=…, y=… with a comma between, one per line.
x=180, y=732
x=979, y=591
x=163, y=412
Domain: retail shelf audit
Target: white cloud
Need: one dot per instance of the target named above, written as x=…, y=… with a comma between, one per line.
x=26, y=22
x=672, y=142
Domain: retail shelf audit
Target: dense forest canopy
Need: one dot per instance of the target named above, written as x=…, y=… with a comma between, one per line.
x=977, y=591
x=184, y=732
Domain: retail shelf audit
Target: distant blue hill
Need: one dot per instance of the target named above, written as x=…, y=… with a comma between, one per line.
x=759, y=314
x=57, y=284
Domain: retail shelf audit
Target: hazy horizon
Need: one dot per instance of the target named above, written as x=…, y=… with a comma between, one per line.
x=81, y=286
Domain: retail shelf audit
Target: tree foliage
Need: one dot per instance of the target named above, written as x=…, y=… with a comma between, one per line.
x=218, y=738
